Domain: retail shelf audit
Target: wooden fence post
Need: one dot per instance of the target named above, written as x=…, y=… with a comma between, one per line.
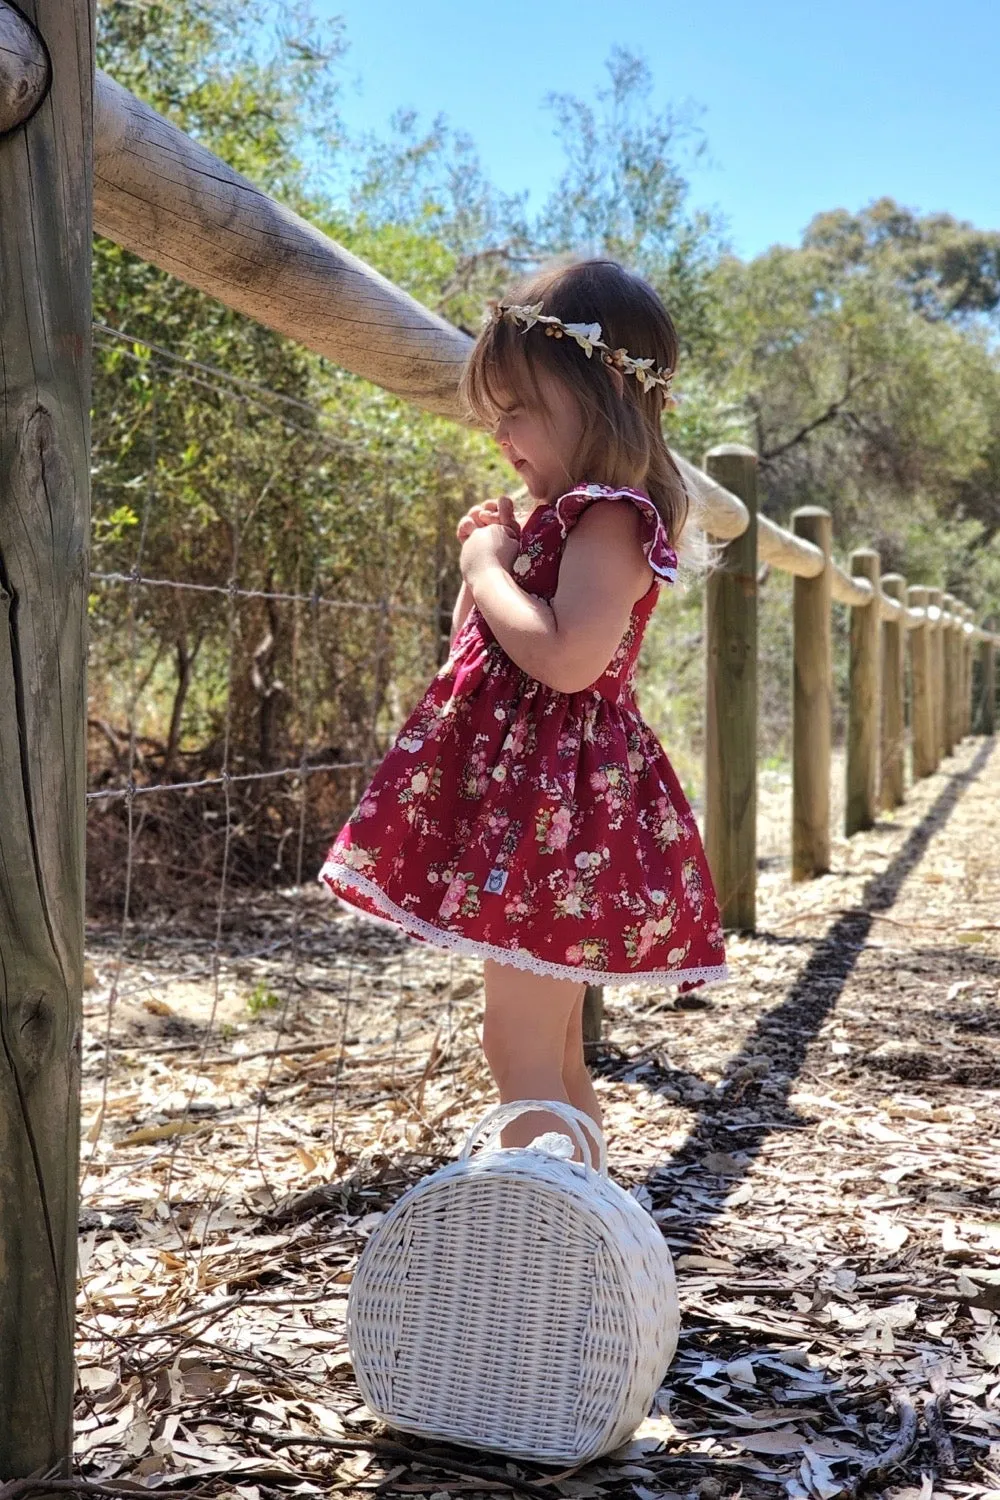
x=959, y=629
x=922, y=688
x=731, y=700
x=959, y=672
x=946, y=670
x=962, y=674
x=863, y=716
x=958, y=647
x=949, y=604
x=986, y=721
x=934, y=598
x=812, y=703
x=893, y=735
x=967, y=651
x=592, y=1019
x=45, y=343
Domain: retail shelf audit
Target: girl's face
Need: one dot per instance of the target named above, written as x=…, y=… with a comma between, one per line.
x=539, y=441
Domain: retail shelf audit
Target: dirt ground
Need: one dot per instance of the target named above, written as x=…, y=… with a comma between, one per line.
x=818, y=1140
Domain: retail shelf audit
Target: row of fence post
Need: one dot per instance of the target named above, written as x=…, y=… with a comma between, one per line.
x=928, y=629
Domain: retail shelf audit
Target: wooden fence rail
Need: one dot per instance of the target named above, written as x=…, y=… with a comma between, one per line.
x=166, y=198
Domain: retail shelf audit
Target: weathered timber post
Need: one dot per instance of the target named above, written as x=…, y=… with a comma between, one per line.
x=45, y=321
x=25, y=69
x=863, y=720
x=959, y=628
x=934, y=598
x=922, y=709
x=986, y=719
x=967, y=652
x=893, y=734
x=962, y=673
x=812, y=703
x=946, y=671
x=731, y=700
x=593, y=1019
x=949, y=604
x=960, y=645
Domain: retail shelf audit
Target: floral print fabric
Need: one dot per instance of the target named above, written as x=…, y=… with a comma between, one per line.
x=543, y=829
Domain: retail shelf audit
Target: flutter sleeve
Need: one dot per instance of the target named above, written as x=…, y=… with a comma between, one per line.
x=659, y=553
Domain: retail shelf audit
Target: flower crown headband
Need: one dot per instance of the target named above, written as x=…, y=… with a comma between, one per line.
x=589, y=337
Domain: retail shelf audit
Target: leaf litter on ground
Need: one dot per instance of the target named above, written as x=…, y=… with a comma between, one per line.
x=818, y=1142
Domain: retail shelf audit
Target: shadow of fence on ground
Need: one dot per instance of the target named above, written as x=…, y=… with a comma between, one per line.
x=787, y=1030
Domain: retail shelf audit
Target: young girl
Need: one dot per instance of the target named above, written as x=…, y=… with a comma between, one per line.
x=526, y=813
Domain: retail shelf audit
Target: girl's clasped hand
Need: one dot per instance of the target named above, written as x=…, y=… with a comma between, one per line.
x=490, y=513
x=489, y=531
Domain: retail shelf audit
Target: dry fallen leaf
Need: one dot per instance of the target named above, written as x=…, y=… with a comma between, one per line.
x=776, y=1440
x=148, y=1134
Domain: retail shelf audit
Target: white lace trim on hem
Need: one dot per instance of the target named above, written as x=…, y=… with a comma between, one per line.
x=517, y=958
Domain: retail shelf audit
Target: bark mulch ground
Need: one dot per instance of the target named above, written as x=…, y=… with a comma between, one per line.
x=818, y=1140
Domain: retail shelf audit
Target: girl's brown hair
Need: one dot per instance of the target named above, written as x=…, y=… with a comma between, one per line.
x=623, y=441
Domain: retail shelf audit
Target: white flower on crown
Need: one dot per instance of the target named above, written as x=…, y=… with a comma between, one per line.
x=587, y=335
x=640, y=369
x=527, y=314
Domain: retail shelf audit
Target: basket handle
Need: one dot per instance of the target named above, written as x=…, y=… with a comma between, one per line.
x=580, y=1124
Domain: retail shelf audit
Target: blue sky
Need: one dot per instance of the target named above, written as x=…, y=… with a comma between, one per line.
x=805, y=106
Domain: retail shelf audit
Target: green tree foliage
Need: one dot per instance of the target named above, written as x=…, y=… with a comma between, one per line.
x=421, y=210
x=857, y=400
x=947, y=268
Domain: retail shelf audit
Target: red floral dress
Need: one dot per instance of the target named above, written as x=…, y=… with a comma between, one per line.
x=543, y=829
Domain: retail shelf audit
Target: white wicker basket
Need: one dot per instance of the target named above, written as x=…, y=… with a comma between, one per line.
x=515, y=1301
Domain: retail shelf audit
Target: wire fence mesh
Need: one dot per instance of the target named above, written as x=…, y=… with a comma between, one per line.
x=261, y=613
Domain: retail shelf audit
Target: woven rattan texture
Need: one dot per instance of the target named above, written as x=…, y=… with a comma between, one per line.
x=517, y=1302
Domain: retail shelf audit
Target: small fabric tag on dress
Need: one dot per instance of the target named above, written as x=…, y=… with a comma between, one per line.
x=495, y=881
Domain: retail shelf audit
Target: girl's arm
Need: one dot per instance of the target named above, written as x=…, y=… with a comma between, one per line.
x=463, y=604
x=568, y=642
x=493, y=509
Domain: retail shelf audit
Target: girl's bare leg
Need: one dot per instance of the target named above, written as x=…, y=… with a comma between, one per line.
x=524, y=1038
x=527, y=1029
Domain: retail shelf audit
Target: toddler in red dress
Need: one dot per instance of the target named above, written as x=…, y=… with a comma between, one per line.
x=526, y=812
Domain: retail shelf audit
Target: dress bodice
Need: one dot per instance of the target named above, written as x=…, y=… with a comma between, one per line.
x=536, y=569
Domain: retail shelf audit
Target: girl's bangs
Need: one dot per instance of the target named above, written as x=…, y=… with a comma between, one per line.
x=499, y=372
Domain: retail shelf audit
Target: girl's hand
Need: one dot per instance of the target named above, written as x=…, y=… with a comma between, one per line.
x=490, y=513
x=486, y=544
